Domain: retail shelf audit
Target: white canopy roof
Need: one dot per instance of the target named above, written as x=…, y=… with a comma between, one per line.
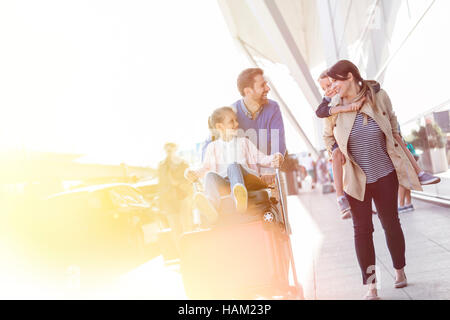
x=309, y=35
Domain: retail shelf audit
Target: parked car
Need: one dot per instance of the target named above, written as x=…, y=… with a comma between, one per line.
x=148, y=188
x=150, y=191
x=97, y=230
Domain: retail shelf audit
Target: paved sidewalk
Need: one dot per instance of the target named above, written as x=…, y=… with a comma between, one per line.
x=324, y=256
x=333, y=272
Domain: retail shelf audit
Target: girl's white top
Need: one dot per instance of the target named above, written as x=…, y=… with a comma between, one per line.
x=220, y=154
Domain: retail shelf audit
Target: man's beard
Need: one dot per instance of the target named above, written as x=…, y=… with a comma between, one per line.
x=263, y=100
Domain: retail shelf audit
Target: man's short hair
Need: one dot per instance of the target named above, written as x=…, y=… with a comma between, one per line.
x=169, y=145
x=246, y=78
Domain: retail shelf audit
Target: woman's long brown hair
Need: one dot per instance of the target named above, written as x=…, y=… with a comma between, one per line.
x=340, y=71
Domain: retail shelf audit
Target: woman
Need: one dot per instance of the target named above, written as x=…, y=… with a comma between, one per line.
x=374, y=166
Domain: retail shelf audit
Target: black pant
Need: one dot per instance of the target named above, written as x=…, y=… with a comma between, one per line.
x=384, y=194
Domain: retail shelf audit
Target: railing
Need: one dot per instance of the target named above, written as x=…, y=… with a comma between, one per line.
x=429, y=136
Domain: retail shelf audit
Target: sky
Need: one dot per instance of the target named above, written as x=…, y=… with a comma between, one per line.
x=113, y=80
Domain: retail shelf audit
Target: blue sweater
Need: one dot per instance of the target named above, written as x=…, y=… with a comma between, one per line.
x=269, y=118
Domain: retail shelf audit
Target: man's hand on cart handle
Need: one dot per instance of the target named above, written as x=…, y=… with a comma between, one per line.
x=277, y=160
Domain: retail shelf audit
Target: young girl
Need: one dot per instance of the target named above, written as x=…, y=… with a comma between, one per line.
x=229, y=165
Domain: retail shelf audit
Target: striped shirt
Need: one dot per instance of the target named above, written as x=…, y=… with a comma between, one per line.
x=367, y=145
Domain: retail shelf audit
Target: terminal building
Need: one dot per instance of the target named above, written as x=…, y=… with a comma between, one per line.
x=396, y=43
x=401, y=44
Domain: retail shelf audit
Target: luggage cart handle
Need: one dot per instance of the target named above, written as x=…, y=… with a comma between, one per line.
x=196, y=218
x=288, y=232
x=283, y=205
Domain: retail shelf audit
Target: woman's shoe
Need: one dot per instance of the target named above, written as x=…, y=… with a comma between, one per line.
x=240, y=196
x=370, y=296
x=401, y=284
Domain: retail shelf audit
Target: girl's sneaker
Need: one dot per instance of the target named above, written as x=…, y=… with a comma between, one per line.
x=408, y=208
x=426, y=178
x=240, y=196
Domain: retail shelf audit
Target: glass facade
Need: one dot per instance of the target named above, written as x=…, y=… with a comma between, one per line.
x=428, y=138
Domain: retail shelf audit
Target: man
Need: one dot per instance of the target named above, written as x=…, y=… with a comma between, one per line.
x=259, y=117
x=174, y=191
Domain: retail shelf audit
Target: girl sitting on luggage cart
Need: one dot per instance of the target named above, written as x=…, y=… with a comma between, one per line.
x=230, y=165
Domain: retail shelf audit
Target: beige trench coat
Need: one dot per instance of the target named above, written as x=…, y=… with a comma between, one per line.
x=339, y=131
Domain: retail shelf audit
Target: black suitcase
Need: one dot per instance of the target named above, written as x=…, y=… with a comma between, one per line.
x=167, y=246
x=241, y=261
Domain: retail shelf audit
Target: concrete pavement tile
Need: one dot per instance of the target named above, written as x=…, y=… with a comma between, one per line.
x=427, y=245
x=429, y=285
x=428, y=263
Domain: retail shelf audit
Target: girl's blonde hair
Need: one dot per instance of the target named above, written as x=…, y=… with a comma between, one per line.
x=216, y=117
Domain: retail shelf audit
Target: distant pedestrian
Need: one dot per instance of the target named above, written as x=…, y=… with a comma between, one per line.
x=322, y=169
x=310, y=166
x=175, y=191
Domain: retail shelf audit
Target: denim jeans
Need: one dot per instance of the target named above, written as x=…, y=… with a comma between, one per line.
x=217, y=186
x=384, y=194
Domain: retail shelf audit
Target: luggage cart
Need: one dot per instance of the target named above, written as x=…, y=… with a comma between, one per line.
x=244, y=256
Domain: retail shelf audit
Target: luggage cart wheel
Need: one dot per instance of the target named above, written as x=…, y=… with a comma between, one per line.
x=268, y=217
